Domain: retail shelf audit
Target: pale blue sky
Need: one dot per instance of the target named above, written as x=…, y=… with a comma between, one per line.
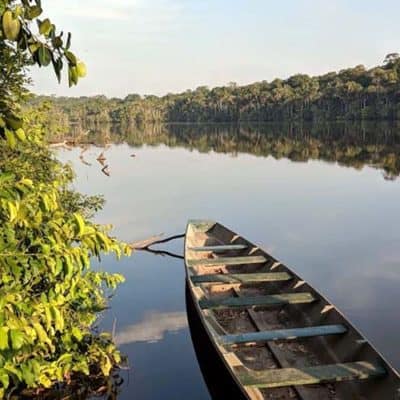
x=161, y=46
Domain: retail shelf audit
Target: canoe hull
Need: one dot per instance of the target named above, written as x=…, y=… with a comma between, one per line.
x=341, y=353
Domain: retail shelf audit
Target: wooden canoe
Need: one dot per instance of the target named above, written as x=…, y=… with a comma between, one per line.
x=276, y=335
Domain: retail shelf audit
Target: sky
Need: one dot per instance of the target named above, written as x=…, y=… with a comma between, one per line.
x=168, y=46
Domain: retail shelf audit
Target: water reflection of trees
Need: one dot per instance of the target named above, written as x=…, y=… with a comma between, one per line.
x=354, y=145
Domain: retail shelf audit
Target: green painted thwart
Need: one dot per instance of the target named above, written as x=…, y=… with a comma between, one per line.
x=227, y=261
x=244, y=302
x=273, y=378
x=241, y=278
x=283, y=334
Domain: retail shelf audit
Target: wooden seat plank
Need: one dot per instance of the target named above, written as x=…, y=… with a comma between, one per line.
x=241, y=278
x=227, y=261
x=245, y=302
x=273, y=378
x=219, y=248
x=283, y=334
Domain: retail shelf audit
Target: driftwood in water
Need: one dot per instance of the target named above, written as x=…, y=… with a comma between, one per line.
x=157, y=239
x=142, y=244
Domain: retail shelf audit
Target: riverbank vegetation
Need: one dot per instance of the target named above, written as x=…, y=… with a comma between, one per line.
x=50, y=296
x=351, y=94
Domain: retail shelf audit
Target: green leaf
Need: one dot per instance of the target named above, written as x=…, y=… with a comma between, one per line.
x=80, y=224
x=58, y=319
x=44, y=56
x=83, y=367
x=44, y=381
x=34, y=47
x=12, y=142
x=17, y=339
x=20, y=134
x=81, y=69
x=77, y=333
x=3, y=338
x=72, y=76
x=49, y=318
x=68, y=267
x=58, y=65
x=13, y=122
x=71, y=58
x=105, y=365
x=14, y=370
x=4, y=378
x=11, y=26
x=33, y=12
x=27, y=182
x=27, y=375
x=42, y=335
x=45, y=27
x=12, y=211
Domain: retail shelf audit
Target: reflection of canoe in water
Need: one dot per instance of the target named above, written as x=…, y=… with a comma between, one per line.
x=277, y=336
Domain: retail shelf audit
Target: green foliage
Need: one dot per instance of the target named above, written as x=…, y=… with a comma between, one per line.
x=351, y=94
x=49, y=295
x=26, y=40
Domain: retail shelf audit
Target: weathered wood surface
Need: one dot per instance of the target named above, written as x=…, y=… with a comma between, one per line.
x=283, y=334
x=227, y=261
x=245, y=302
x=303, y=392
x=241, y=278
x=157, y=239
x=142, y=244
x=283, y=377
x=219, y=248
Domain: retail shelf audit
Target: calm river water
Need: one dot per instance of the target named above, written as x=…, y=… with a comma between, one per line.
x=326, y=202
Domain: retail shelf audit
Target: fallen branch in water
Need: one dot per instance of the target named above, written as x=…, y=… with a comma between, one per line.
x=145, y=244
x=142, y=244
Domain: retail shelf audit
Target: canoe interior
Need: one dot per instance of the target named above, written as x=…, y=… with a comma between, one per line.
x=278, y=337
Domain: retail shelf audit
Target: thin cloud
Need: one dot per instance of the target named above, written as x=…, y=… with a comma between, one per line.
x=139, y=12
x=152, y=328
x=100, y=9
x=97, y=13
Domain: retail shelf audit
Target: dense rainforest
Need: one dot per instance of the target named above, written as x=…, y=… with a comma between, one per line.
x=350, y=94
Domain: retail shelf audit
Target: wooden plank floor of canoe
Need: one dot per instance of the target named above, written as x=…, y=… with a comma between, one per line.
x=303, y=392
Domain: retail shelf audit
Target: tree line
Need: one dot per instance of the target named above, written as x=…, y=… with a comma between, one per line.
x=350, y=94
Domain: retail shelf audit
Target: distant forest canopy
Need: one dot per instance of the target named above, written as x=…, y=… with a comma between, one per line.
x=350, y=94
